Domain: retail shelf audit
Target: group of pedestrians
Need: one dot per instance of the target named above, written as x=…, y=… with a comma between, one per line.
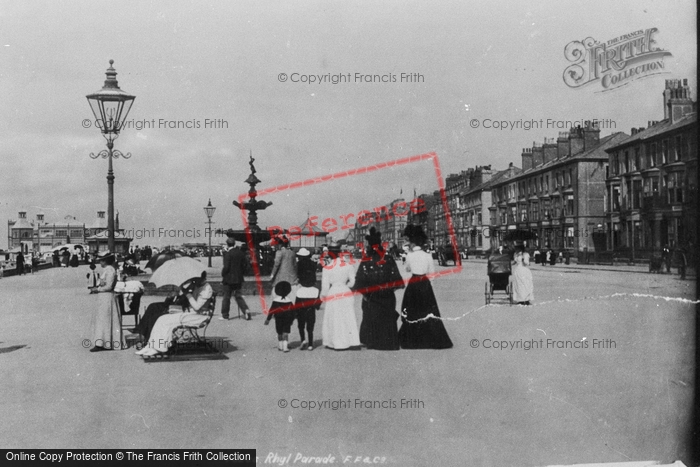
x=376, y=279
x=297, y=298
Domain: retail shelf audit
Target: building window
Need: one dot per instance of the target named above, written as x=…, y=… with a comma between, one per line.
x=569, y=205
x=664, y=151
x=569, y=242
x=478, y=218
x=677, y=148
x=636, y=194
x=675, y=187
x=615, y=198
x=637, y=159
x=557, y=207
x=61, y=233
x=651, y=157
x=546, y=183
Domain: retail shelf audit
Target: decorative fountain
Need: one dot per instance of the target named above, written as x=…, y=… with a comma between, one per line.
x=253, y=235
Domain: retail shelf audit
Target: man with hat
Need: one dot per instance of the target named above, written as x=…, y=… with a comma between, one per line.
x=232, y=279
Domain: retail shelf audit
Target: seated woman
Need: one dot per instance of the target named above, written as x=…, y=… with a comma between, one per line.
x=158, y=309
x=199, y=292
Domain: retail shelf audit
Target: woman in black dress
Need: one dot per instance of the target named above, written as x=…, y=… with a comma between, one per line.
x=418, y=329
x=377, y=278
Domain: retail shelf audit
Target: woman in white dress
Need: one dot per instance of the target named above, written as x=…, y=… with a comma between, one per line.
x=162, y=333
x=522, y=278
x=339, y=323
x=107, y=322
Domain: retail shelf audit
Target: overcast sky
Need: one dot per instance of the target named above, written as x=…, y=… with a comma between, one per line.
x=191, y=61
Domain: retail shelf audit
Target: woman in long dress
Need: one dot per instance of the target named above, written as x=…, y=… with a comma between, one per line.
x=199, y=293
x=339, y=324
x=522, y=278
x=377, y=278
x=107, y=322
x=420, y=330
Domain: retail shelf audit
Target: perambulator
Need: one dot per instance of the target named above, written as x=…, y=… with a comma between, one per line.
x=498, y=270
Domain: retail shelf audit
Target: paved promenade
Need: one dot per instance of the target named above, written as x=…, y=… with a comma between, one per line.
x=623, y=393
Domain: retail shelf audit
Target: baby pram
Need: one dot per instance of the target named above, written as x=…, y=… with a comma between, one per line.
x=498, y=270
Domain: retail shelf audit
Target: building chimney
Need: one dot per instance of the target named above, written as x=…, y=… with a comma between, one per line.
x=527, y=158
x=486, y=173
x=634, y=131
x=680, y=103
x=549, y=150
x=562, y=145
x=677, y=99
x=591, y=135
x=537, y=155
x=575, y=140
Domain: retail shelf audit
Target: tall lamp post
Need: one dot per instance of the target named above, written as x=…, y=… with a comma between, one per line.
x=110, y=105
x=209, y=209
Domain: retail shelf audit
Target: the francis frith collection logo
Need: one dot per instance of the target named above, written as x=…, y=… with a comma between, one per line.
x=614, y=63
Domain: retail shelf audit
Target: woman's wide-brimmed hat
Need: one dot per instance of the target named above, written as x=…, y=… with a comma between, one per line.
x=303, y=252
x=334, y=247
x=105, y=255
x=374, y=237
x=415, y=234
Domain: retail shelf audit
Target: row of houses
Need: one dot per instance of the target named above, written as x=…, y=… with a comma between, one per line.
x=624, y=194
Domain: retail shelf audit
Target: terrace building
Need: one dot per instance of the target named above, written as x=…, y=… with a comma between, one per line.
x=651, y=188
x=557, y=199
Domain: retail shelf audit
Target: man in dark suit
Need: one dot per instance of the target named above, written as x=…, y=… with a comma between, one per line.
x=232, y=279
x=20, y=263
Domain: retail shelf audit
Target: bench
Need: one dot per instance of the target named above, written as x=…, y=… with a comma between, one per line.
x=190, y=334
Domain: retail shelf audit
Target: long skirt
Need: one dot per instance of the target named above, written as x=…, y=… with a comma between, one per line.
x=339, y=324
x=417, y=331
x=153, y=312
x=379, y=330
x=162, y=333
x=107, y=323
x=522, y=284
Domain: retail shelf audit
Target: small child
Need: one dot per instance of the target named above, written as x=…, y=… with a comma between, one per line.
x=307, y=298
x=282, y=309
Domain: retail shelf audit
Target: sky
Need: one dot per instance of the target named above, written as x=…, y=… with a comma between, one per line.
x=194, y=62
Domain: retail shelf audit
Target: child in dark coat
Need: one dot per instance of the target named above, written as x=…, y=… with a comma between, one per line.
x=307, y=299
x=283, y=311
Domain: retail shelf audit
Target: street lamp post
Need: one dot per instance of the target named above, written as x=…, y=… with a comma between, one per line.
x=209, y=210
x=110, y=105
